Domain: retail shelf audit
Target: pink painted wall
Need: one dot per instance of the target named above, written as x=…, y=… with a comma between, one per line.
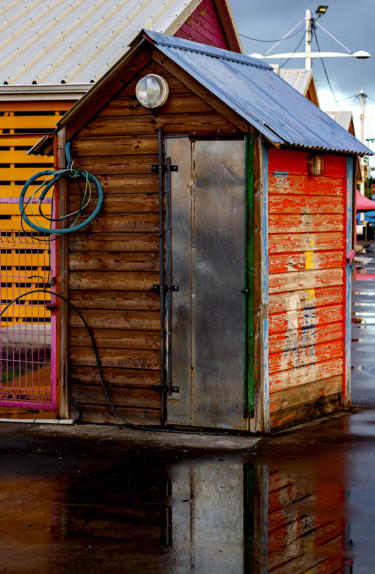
x=204, y=26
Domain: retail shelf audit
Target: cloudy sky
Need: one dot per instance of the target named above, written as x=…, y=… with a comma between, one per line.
x=352, y=23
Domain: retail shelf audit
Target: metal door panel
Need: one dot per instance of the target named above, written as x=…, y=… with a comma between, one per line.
x=218, y=313
x=179, y=149
x=208, y=264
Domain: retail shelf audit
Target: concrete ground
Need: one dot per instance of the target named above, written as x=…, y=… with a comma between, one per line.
x=93, y=499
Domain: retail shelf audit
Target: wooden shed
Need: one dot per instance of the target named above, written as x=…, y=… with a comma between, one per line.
x=51, y=55
x=216, y=278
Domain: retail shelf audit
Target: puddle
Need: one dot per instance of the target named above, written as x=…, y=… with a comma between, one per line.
x=282, y=507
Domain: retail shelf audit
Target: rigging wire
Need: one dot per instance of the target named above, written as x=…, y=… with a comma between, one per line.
x=324, y=68
x=269, y=41
x=290, y=57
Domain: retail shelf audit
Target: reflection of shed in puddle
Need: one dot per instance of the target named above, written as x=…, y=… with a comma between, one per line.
x=246, y=326
x=212, y=516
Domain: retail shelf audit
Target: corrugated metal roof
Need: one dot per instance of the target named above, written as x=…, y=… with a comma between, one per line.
x=255, y=92
x=51, y=42
x=299, y=79
x=342, y=118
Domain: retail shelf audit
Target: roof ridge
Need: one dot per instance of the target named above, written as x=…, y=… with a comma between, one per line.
x=174, y=42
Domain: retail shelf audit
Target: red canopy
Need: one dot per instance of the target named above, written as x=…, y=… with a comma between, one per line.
x=364, y=204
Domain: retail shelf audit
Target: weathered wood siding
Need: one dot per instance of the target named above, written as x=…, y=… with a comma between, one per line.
x=114, y=262
x=204, y=26
x=306, y=286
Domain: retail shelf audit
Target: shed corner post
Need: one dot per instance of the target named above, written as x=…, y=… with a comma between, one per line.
x=60, y=271
x=350, y=183
x=262, y=406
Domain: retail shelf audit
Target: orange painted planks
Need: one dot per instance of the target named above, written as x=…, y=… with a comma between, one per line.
x=305, y=355
x=279, y=302
x=306, y=204
x=306, y=374
x=294, y=397
x=302, y=336
x=295, y=185
x=305, y=318
x=289, y=262
x=305, y=280
x=288, y=242
x=304, y=223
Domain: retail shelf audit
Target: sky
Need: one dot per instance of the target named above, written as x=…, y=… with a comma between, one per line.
x=352, y=23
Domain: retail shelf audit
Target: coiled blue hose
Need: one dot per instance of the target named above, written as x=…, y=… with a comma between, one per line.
x=50, y=183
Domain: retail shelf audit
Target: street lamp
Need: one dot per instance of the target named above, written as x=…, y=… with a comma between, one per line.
x=308, y=54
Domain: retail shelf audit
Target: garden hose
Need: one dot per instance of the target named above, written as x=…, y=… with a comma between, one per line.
x=53, y=178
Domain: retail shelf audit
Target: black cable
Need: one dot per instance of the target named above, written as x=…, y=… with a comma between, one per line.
x=324, y=67
x=99, y=367
x=290, y=57
x=278, y=40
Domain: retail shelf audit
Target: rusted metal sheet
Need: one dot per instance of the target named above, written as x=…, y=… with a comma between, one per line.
x=208, y=265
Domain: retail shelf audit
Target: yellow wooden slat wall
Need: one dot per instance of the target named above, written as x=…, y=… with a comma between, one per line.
x=22, y=124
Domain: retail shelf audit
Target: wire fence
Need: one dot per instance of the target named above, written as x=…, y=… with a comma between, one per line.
x=25, y=327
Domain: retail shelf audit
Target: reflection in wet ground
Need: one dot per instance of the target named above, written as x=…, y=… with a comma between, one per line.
x=98, y=505
x=77, y=500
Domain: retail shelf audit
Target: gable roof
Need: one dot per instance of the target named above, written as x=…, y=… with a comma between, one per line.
x=55, y=43
x=303, y=81
x=249, y=87
x=345, y=119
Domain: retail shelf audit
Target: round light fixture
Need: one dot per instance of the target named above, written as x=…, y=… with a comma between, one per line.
x=315, y=165
x=152, y=91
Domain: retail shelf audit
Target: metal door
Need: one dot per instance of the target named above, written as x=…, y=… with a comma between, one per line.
x=207, y=268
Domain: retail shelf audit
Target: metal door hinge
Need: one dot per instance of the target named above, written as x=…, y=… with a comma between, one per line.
x=159, y=389
x=156, y=288
x=155, y=168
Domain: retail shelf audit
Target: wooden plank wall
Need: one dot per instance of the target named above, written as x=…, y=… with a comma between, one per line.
x=204, y=26
x=306, y=287
x=114, y=262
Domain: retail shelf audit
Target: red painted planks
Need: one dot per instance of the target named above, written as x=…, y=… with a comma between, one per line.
x=304, y=223
x=305, y=280
x=305, y=355
x=311, y=335
x=296, y=162
x=204, y=26
x=281, y=302
x=289, y=262
x=302, y=204
x=292, y=184
x=306, y=374
x=290, y=242
x=307, y=317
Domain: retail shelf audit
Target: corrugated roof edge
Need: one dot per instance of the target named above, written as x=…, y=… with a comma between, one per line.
x=170, y=44
x=173, y=42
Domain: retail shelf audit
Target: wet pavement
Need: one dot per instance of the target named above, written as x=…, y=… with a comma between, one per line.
x=107, y=499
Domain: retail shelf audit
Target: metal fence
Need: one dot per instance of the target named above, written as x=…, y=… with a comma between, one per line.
x=26, y=337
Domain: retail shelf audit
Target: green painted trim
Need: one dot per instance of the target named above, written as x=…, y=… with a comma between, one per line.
x=249, y=278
